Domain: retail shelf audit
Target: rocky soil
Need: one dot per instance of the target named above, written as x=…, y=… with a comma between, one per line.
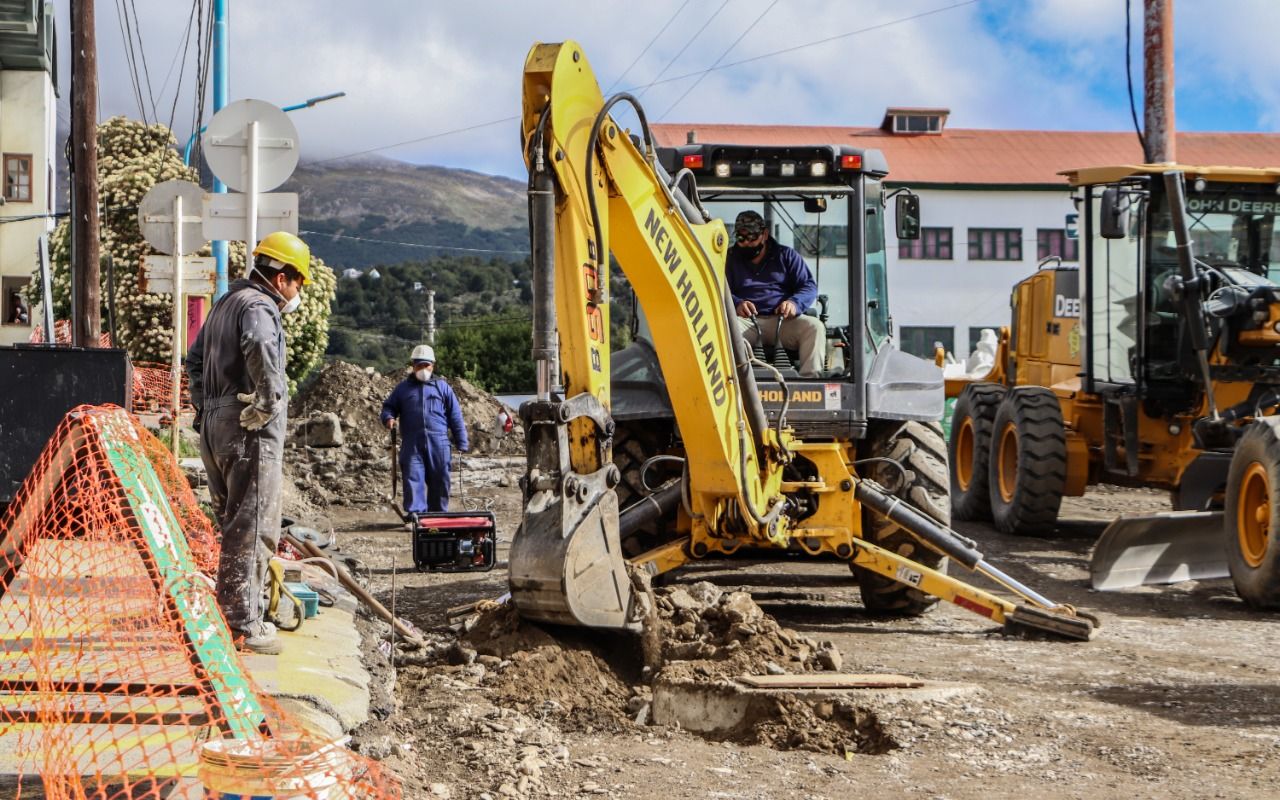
x=1175, y=697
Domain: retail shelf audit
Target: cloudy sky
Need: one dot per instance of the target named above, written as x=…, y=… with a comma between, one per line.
x=419, y=73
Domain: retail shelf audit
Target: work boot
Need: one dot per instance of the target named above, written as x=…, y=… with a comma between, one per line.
x=261, y=638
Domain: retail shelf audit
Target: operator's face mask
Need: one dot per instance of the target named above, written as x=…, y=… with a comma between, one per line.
x=749, y=247
x=423, y=371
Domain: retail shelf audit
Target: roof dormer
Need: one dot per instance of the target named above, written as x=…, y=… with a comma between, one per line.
x=915, y=120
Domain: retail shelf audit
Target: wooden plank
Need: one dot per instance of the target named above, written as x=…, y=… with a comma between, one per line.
x=831, y=680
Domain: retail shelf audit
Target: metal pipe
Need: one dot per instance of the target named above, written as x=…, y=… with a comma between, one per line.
x=251, y=192
x=175, y=364
x=221, y=86
x=542, y=235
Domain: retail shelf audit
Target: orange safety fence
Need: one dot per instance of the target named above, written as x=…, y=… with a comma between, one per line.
x=152, y=381
x=118, y=675
x=153, y=388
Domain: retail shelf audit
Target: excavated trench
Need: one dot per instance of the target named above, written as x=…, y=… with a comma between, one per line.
x=690, y=669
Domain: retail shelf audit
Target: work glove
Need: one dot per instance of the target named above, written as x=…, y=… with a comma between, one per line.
x=253, y=418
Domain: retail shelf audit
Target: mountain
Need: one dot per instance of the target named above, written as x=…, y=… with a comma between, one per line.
x=373, y=210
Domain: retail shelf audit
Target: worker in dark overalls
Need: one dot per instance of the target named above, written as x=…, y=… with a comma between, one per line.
x=427, y=412
x=236, y=369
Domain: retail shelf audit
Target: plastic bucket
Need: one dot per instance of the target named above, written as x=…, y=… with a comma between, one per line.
x=274, y=769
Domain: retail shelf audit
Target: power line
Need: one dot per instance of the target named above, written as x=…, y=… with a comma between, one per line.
x=720, y=58
x=696, y=34
x=655, y=38
x=718, y=68
x=1128, y=73
x=411, y=244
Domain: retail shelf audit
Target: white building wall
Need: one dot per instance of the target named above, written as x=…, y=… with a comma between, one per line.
x=960, y=293
x=27, y=125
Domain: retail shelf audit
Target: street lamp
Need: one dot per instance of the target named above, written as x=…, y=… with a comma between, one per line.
x=191, y=140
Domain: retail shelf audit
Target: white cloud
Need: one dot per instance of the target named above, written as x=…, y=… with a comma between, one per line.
x=412, y=69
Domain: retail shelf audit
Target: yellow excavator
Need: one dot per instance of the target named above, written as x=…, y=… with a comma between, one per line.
x=1156, y=364
x=721, y=450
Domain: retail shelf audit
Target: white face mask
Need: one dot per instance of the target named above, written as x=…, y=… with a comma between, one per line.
x=293, y=304
x=424, y=374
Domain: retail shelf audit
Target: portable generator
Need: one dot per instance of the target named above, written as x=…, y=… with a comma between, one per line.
x=454, y=541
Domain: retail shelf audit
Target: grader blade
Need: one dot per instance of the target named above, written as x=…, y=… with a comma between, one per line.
x=1159, y=548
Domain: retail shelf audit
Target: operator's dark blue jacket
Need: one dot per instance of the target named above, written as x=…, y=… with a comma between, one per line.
x=780, y=275
x=428, y=413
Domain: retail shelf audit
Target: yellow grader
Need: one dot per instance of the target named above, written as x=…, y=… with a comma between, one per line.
x=1155, y=364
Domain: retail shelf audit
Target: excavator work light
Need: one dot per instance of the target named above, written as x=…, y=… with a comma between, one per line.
x=693, y=161
x=850, y=162
x=818, y=169
x=722, y=169
x=787, y=169
x=757, y=169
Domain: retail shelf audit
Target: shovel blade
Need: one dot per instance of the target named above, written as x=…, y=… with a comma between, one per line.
x=1159, y=548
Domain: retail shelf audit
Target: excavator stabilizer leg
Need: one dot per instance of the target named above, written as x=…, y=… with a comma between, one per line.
x=1159, y=548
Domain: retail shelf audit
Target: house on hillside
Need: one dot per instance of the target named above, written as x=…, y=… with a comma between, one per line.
x=993, y=205
x=28, y=124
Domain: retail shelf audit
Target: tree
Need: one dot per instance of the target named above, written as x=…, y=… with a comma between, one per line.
x=133, y=157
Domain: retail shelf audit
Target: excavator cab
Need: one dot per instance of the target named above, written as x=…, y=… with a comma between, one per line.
x=827, y=202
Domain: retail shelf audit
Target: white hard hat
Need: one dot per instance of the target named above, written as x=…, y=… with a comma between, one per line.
x=423, y=352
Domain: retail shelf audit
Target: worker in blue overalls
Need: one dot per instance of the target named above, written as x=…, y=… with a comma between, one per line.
x=427, y=411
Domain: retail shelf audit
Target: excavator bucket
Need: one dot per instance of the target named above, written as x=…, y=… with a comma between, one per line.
x=571, y=571
x=1159, y=548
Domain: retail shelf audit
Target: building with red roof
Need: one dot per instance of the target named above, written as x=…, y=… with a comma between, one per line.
x=993, y=204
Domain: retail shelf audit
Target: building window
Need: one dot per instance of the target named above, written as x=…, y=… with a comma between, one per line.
x=1054, y=242
x=917, y=123
x=832, y=240
x=934, y=243
x=995, y=244
x=922, y=340
x=17, y=178
x=13, y=308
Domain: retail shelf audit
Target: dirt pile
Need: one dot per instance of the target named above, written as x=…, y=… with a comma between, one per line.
x=699, y=635
x=707, y=633
x=339, y=453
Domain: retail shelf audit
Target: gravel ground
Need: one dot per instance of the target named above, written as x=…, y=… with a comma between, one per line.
x=1177, y=696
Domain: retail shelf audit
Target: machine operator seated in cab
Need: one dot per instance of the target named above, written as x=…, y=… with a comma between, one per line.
x=770, y=281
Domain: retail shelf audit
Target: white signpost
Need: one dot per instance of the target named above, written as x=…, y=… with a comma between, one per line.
x=168, y=223
x=252, y=147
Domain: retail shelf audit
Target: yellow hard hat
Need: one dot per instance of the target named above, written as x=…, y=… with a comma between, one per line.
x=287, y=249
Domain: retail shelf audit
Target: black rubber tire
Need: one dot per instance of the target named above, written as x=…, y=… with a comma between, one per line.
x=1253, y=551
x=921, y=449
x=969, y=450
x=1034, y=462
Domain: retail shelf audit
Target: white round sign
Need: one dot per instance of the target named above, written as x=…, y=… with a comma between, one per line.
x=155, y=216
x=226, y=145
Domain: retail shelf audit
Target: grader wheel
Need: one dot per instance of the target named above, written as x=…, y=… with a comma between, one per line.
x=1028, y=468
x=970, y=449
x=1252, y=517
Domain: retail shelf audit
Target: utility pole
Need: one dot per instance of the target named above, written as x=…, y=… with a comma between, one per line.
x=86, y=325
x=431, y=317
x=1157, y=103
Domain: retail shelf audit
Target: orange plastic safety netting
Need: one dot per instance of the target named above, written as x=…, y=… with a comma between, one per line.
x=119, y=678
x=153, y=388
x=62, y=334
